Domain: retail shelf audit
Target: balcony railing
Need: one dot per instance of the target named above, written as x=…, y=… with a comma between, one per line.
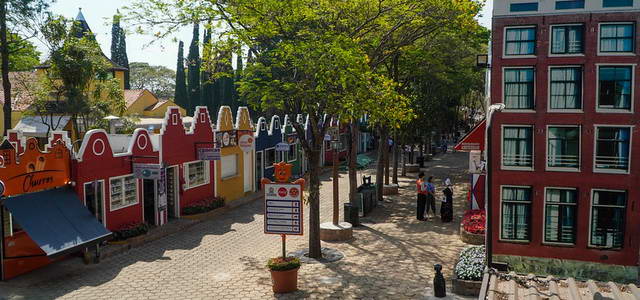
x=612, y=162
x=563, y=161
x=517, y=160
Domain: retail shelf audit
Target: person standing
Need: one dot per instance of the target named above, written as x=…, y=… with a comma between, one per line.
x=446, y=208
x=431, y=197
x=422, y=196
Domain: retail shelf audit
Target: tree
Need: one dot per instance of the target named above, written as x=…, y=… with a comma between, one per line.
x=207, y=85
x=181, y=81
x=160, y=80
x=119, y=48
x=193, y=65
x=23, y=54
x=16, y=21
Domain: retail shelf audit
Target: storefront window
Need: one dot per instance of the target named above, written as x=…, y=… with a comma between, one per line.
x=196, y=174
x=124, y=191
x=607, y=219
x=269, y=158
x=560, y=216
x=229, y=166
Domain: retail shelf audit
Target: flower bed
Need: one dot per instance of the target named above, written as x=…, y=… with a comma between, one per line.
x=469, y=271
x=203, y=206
x=472, y=227
x=130, y=230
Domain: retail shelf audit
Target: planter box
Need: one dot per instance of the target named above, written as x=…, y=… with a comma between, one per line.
x=471, y=238
x=204, y=215
x=132, y=240
x=466, y=287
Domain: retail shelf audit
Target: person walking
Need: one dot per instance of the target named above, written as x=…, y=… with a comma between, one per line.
x=446, y=208
x=431, y=197
x=422, y=196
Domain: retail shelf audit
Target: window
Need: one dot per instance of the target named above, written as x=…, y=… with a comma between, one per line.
x=614, y=84
x=570, y=4
x=293, y=152
x=530, y=6
x=263, y=126
x=612, y=148
x=560, y=215
x=229, y=165
x=517, y=147
x=566, y=88
x=567, y=39
x=269, y=158
x=518, y=88
x=617, y=3
x=607, y=218
x=124, y=191
x=520, y=41
x=516, y=213
x=197, y=173
x=563, y=149
x=616, y=38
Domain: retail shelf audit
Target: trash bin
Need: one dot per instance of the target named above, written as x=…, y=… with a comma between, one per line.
x=351, y=214
x=420, y=161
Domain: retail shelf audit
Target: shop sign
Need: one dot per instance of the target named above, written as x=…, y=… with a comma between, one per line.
x=282, y=147
x=246, y=141
x=476, y=164
x=327, y=137
x=226, y=138
x=283, y=209
x=146, y=171
x=208, y=154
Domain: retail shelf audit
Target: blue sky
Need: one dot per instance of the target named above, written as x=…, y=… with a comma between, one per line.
x=98, y=14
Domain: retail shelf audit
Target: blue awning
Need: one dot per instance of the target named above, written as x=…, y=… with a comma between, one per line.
x=56, y=220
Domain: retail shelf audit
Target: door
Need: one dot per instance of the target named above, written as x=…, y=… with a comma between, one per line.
x=172, y=192
x=94, y=199
x=248, y=170
x=259, y=168
x=149, y=198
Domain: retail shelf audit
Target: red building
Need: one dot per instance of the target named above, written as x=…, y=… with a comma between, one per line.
x=343, y=132
x=564, y=165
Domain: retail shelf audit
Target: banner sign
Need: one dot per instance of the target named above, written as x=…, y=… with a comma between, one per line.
x=246, y=141
x=226, y=139
x=208, y=154
x=476, y=164
x=282, y=147
x=283, y=209
x=146, y=171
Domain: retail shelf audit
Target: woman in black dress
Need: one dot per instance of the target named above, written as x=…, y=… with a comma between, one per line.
x=446, y=208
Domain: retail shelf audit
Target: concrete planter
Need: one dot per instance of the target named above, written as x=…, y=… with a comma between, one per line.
x=471, y=238
x=466, y=287
x=136, y=240
x=205, y=215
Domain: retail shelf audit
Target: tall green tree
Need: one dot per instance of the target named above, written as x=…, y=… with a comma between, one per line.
x=181, y=95
x=119, y=48
x=207, y=79
x=193, y=63
x=17, y=18
x=160, y=80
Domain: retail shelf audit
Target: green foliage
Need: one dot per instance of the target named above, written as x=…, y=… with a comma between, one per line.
x=471, y=263
x=181, y=80
x=193, y=65
x=130, y=230
x=23, y=55
x=283, y=264
x=203, y=206
x=119, y=48
x=159, y=80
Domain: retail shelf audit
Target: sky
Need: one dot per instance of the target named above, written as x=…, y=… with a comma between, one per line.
x=99, y=13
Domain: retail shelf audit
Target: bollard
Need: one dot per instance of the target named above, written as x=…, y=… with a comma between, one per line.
x=439, y=285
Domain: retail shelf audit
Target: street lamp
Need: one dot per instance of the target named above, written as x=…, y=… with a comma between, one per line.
x=335, y=145
x=497, y=107
x=482, y=61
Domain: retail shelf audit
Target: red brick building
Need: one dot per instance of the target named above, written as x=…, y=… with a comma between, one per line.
x=565, y=166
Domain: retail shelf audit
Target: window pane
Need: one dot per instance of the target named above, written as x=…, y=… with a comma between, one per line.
x=517, y=147
x=616, y=37
x=566, y=88
x=518, y=89
x=520, y=41
x=563, y=147
x=616, y=3
x=517, y=7
x=570, y=4
x=607, y=219
x=615, y=87
x=612, y=148
x=567, y=39
x=610, y=198
x=515, y=216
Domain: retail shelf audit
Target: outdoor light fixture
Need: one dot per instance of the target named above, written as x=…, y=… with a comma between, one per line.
x=482, y=61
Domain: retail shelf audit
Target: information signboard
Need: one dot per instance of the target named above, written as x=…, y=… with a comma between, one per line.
x=283, y=209
x=282, y=147
x=146, y=171
x=208, y=154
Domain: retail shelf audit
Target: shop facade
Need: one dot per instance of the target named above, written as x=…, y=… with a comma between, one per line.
x=267, y=136
x=294, y=155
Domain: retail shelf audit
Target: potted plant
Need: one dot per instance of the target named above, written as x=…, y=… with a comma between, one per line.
x=468, y=271
x=128, y=231
x=201, y=207
x=472, y=227
x=284, y=273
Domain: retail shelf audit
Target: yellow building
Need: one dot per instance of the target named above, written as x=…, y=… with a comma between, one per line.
x=235, y=170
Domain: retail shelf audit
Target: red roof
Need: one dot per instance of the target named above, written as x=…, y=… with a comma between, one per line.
x=474, y=140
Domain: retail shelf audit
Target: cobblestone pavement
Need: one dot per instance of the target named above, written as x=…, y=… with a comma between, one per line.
x=391, y=257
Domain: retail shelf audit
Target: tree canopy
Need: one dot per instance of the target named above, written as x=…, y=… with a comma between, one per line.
x=159, y=80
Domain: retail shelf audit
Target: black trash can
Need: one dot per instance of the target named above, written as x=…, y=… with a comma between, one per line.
x=420, y=161
x=351, y=214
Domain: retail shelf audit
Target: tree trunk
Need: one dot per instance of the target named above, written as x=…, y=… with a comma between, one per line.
x=353, y=159
x=404, y=160
x=380, y=168
x=314, y=204
x=4, y=52
x=386, y=159
x=395, y=160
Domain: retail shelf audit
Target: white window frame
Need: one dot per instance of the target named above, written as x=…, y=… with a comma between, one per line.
x=584, y=33
x=121, y=178
x=84, y=197
x=635, y=32
x=544, y=214
x=504, y=42
x=533, y=148
x=559, y=110
x=546, y=157
x=185, y=170
x=237, y=173
x=530, y=216
x=275, y=160
x=633, y=90
x=593, y=192
x=535, y=91
x=595, y=150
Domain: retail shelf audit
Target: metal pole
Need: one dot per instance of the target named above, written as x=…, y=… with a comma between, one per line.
x=284, y=246
x=336, y=204
x=487, y=201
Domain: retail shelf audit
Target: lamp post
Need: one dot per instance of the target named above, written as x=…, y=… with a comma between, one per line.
x=335, y=145
x=488, y=188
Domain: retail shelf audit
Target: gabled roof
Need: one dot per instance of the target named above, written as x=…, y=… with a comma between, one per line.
x=131, y=96
x=474, y=140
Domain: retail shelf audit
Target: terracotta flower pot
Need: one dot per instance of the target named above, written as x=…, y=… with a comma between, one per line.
x=285, y=281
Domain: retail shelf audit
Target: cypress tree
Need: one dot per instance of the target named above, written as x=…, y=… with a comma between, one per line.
x=181, y=82
x=207, y=80
x=193, y=84
x=119, y=48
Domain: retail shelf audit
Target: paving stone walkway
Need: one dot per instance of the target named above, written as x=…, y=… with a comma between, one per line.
x=391, y=257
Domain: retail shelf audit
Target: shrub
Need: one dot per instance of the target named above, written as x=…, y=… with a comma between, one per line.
x=474, y=221
x=470, y=266
x=130, y=230
x=203, y=206
x=283, y=264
